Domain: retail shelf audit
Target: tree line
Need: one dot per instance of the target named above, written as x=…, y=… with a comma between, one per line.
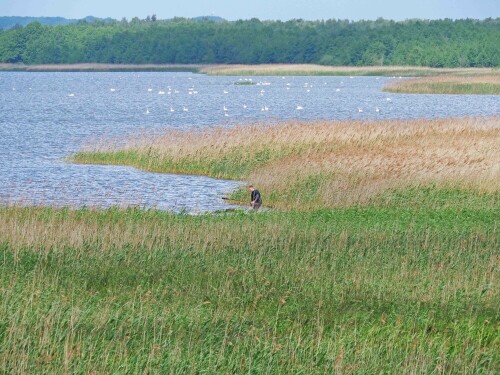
x=435, y=43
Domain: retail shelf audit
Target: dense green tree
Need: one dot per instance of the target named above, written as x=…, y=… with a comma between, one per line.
x=439, y=43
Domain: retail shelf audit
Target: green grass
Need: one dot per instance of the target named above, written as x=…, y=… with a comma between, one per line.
x=235, y=164
x=368, y=271
x=404, y=283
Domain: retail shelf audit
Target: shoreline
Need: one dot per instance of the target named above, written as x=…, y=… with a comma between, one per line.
x=252, y=70
x=425, y=80
x=91, y=67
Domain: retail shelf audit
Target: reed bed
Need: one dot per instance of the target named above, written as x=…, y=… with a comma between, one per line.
x=482, y=84
x=384, y=261
x=257, y=70
x=323, y=164
x=384, y=288
x=319, y=70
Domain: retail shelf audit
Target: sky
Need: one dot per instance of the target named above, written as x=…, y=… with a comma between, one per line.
x=262, y=9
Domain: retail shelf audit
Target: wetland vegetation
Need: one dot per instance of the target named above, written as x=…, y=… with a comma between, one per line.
x=324, y=163
x=484, y=81
x=380, y=254
x=381, y=257
x=456, y=83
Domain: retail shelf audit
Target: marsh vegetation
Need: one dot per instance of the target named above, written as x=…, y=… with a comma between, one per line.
x=455, y=83
x=324, y=163
x=406, y=282
x=381, y=257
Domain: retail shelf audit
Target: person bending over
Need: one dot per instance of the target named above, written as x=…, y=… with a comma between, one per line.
x=255, y=197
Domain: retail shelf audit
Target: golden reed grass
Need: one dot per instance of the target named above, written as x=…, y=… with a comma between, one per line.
x=313, y=69
x=485, y=83
x=337, y=162
x=256, y=70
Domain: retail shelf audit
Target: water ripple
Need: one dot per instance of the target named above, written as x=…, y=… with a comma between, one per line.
x=44, y=117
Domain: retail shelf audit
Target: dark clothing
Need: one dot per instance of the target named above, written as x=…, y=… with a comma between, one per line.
x=256, y=199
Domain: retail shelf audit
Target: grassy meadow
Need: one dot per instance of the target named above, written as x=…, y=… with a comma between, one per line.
x=368, y=289
x=381, y=256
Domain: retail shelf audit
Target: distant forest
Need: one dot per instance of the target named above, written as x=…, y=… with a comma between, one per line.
x=437, y=43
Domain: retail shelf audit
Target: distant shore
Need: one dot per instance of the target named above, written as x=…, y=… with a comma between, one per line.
x=253, y=70
x=91, y=67
x=427, y=80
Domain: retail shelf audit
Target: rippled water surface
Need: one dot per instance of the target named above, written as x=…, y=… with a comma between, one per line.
x=44, y=117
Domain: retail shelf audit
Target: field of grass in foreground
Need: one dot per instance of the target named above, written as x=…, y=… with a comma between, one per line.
x=407, y=283
x=382, y=258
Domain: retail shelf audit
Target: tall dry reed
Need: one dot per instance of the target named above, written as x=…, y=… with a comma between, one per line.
x=313, y=69
x=324, y=163
x=456, y=83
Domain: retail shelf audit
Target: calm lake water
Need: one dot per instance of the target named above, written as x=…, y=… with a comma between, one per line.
x=44, y=117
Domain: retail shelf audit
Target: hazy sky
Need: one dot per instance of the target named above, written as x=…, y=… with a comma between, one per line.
x=263, y=9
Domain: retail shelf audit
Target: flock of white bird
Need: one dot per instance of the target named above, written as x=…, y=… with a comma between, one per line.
x=264, y=108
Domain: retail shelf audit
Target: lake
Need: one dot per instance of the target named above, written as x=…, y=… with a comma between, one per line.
x=45, y=117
